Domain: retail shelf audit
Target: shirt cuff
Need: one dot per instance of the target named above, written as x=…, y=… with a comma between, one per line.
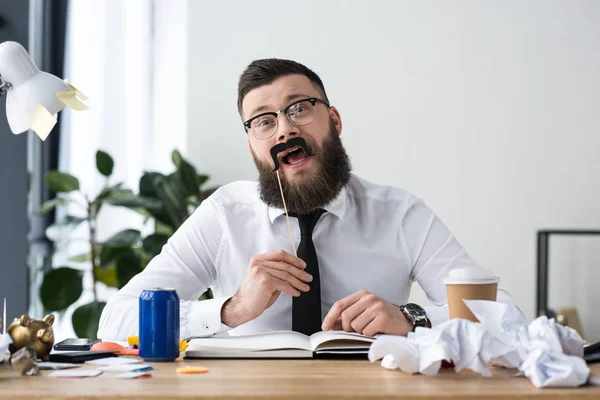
x=203, y=318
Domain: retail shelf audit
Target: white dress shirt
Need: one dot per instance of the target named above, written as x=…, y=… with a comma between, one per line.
x=372, y=237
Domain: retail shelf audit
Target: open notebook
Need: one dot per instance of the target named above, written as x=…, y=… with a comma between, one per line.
x=279, y=344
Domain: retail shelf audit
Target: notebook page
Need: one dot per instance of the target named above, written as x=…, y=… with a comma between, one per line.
x=262, y=341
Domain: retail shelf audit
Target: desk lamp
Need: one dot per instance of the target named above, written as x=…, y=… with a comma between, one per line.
x=33, y=97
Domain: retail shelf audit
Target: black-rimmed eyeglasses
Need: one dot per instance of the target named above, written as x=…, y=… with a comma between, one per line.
x=300, y=112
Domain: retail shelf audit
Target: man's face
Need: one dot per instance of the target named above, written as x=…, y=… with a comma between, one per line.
x=276, y=96
x=307, y=183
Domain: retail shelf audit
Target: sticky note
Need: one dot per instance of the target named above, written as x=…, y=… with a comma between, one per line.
x=79, y=94
x=42, y=121
x=70, y=99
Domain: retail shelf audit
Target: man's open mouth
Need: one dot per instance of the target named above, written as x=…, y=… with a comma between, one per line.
x=293, y=156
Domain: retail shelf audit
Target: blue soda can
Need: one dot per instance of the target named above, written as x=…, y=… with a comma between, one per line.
x=159, y=325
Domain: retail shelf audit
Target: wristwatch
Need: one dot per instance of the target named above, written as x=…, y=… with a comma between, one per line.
x=416, y=315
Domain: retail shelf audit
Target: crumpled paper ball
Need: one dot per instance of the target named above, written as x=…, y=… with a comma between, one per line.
x=547, y=353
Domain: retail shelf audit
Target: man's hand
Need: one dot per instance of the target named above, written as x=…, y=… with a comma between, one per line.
x=268, y=275
x=366, y=313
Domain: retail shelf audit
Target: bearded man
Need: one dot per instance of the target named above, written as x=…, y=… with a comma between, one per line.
x=360, y=245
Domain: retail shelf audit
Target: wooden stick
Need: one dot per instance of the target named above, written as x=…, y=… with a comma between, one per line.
x=286, y=214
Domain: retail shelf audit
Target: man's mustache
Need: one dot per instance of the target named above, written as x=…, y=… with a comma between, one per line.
x=278, y=148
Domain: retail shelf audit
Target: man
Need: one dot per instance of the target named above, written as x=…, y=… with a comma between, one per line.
x=362, y=245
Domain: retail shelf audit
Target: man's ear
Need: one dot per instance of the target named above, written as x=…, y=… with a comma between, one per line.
x=336, y=118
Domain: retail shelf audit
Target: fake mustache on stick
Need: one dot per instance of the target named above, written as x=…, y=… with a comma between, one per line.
x=275, y=150
x=278, y=148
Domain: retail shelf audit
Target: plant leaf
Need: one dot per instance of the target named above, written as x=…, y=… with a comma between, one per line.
x=128, y=266
x=104, y=163
x=154, y=243
x=189, y=178
x=86, y=319
x=177, y=158
x=147, y=184
x=114, y=192
x=62, y=229
x=202, y=179
x=132, y=201
x=59, y=182
x=206, y=295
x=145, y=259
x=126, y=238
x=85, y=257
x=50, y=204
x=164, y=229
x=108, y=276
x=173, y=200
x=108, y=256
x=61, y=288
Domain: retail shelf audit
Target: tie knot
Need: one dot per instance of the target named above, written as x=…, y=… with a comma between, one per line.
x=307, y=222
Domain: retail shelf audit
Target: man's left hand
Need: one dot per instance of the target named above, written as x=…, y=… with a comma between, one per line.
x=367, y=314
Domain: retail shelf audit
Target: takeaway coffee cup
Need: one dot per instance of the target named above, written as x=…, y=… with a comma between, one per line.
x=469, y=284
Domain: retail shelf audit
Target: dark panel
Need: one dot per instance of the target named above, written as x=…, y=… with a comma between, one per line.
x=14, y=16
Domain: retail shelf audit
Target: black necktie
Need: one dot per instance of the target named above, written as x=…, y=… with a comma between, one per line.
x=306, y=308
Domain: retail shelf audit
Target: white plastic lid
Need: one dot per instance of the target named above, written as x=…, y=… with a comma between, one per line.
x=471, y=276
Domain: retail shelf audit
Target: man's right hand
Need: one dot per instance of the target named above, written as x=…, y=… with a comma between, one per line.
x=268, y=275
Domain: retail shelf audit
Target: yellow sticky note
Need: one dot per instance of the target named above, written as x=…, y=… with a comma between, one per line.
x=71, y=100
x=134, y=341
x=42, y=121
x=80, y=95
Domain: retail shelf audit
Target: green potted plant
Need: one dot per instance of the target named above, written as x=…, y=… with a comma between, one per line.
x=165, y=200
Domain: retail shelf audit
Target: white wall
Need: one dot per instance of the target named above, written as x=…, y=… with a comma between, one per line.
x=487, y=110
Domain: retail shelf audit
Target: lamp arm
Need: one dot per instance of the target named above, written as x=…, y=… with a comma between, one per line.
x=4, y=86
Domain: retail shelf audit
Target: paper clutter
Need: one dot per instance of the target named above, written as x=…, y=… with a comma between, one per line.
x=547, y=353
x=5, y=342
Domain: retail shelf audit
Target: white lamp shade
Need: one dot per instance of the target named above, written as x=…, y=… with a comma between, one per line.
x=30, y=87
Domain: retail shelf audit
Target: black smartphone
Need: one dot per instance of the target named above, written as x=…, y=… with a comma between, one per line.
x=76, y=344
x=80, y=356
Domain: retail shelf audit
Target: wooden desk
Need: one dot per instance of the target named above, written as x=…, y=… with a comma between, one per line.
x=284, y=379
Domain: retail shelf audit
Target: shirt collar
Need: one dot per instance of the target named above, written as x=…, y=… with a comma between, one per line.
x=337, y=207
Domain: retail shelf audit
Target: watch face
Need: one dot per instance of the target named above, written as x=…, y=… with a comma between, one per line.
x=415, y=310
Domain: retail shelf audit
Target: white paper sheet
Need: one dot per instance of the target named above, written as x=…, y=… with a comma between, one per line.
x=75, y=373
x=126, y=368
x=57, y=365
x=134, y=375
x=114, y=361
x=5, y=342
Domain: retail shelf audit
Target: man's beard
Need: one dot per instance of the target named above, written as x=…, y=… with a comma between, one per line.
x=309, y=191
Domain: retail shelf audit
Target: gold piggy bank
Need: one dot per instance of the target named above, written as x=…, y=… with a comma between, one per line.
x=33, y=333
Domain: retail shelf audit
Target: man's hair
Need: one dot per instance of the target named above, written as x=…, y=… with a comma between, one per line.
x=262, y=72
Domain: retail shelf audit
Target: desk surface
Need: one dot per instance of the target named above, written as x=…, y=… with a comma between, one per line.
x=285, y=379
